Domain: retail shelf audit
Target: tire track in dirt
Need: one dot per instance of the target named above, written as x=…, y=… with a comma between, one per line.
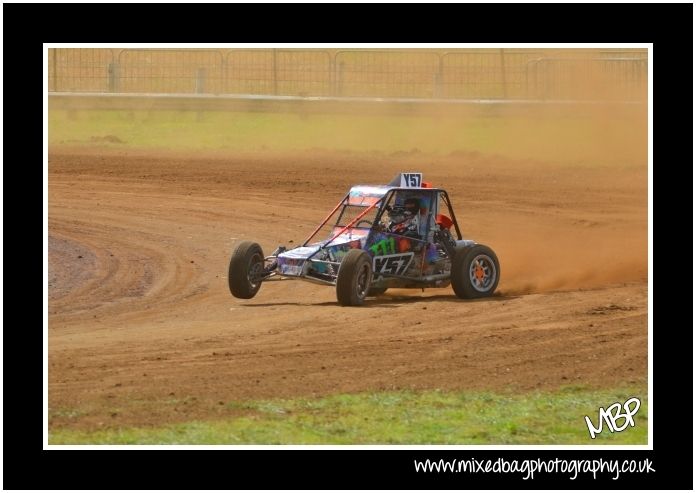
x=143, y=330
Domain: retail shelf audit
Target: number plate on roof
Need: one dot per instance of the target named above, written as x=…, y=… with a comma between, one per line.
x=411, y=180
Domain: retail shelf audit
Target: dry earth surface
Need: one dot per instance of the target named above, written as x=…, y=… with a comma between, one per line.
x=143, y=330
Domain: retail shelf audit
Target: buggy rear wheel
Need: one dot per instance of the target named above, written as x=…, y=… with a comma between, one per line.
x=246, y=270
x=475, y=272
x=354, y=278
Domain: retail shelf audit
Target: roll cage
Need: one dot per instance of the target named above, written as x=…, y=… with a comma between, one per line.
x=372, y=202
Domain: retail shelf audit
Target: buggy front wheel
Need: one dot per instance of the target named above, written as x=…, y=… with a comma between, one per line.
x=354, y=278
x=246, y=270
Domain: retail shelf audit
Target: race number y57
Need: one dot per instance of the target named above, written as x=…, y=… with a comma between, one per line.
x=395, y=265
x=411, y=180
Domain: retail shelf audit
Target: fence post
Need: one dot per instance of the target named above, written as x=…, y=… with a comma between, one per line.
x=531, y=64
x=200, y=81
x=275, y=72
x=332, y=72
x=55, y=71
x=502, y=72
x=438, y=93
x=223, y=75
x=113, y=77
x=339, y=78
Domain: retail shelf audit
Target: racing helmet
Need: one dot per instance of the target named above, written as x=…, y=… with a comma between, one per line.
x=412, y=205
x=399, y=214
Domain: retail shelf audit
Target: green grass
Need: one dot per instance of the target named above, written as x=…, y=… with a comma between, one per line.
x=432, y=417
x=588, y=139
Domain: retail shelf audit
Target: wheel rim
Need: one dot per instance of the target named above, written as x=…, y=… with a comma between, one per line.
x=482, y=273
x=255, y=271
x=363, y=281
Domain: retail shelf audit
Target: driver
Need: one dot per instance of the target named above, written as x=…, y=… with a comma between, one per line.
x=405, y=220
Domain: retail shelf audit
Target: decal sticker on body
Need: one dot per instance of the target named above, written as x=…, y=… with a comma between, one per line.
x=394, y=265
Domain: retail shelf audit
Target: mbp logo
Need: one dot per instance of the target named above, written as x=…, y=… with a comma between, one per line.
x=394, y=265
x=613, y=414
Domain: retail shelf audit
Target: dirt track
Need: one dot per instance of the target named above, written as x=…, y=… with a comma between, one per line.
x=143, y=329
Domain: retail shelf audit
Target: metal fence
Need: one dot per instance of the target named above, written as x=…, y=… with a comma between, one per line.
x=415, y=73
x=605, y=77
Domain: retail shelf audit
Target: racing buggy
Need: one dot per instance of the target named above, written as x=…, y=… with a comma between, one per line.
x=378, y=237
